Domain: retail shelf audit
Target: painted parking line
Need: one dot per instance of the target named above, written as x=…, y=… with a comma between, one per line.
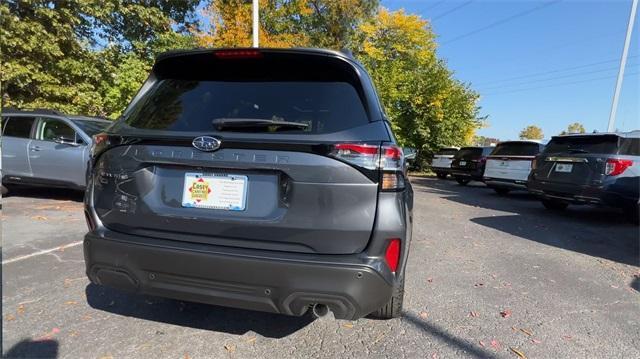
x=39, y=253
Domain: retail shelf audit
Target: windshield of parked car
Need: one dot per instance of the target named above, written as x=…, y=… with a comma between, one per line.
x=605, y=144
x=516, y=149
x=467, y=152
x=190, y=105
x=91, y=127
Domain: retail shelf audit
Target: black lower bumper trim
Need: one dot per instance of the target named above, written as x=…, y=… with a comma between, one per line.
x=277, y=284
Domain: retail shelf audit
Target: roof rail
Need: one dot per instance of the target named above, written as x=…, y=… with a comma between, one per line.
x=41, y=111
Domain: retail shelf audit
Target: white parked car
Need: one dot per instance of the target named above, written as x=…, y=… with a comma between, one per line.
x=441, y=163
x=509, y=164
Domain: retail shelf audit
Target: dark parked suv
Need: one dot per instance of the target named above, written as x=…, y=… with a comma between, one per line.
x=260, y=179
x=600, y=168
x=468, y=164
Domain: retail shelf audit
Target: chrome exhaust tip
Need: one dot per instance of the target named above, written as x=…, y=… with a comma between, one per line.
x=319, y=310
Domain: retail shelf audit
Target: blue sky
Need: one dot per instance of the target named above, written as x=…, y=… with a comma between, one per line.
x=550, y=65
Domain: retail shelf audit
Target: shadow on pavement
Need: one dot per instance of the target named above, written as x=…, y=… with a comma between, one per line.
x=28, y=348
x=430, y=329
x=45, y=193
x=595, y=231
x=194, y=315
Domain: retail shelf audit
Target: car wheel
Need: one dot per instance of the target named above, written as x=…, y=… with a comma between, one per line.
x=441, y=175
x=501, y=190
x=462, y=180
x=554, y=205
x=393, y=308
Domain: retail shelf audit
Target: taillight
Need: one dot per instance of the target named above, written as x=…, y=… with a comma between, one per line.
x=616, y=166
x=238, y=54
x=392, y=254
x=388, y=158
x=534, y=163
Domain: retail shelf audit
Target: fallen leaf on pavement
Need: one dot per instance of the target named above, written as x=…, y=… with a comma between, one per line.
x=71, y=302
x=481, y=343
x=424, y=315
x=231, y=348
x=495, y=344
x=478, y=285
x=9, y=317
x=506, y=313
x=567, y=337
x=518, y=353
x=39, y=218
x=535, y=341
x=348, y=325
x=251, y=340
x=430, y=280
x=186, y=356
x=21, y=309
x=474, y=314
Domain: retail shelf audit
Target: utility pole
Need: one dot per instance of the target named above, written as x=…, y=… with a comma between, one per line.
x=256, y=23
x=623, y=63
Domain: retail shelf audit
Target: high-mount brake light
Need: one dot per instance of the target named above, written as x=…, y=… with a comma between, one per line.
x=388, y=158
x=616, y=166
x=238, y=54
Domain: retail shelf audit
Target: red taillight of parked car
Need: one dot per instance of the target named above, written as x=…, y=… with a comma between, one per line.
x=392, y=255
x=616, y=166
x=534, y=163
x=388, y=158
x=238, y=54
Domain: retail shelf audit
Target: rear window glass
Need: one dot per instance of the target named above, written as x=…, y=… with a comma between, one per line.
x=18, y=126
x=516, y=149
x=191, y=105
x=447, y=152
x=630, y=147
x=583, y=144
x=469, y=152
x=91, y=127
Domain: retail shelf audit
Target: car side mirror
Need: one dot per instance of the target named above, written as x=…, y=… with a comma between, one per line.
x=409, y=153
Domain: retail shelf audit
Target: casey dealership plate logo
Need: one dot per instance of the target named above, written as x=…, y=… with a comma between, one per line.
x=206, y=143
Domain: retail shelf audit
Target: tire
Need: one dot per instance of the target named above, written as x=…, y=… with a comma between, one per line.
x=554, y=205
x=462, y=180
x=501, y=190
x=441, y=175
x=393, y=308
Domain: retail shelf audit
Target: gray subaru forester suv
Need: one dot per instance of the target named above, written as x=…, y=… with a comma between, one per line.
x=262, y=179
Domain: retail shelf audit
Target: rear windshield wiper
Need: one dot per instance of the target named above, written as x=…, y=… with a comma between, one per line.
x=256, y=124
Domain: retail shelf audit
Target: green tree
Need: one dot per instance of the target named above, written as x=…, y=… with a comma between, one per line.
x=575, y=127
x=531, y=133
x=67, y=55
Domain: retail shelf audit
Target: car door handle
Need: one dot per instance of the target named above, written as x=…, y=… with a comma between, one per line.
x=35, y=148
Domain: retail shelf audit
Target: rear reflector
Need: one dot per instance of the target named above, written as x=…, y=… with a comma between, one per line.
x=616, y=166
x=392, y=255
x=238, y=54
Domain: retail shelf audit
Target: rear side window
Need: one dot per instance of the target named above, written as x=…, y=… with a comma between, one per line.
x=51, y=130
x=516, y=149
x=469, y=152
x=630, y=147
x=192, y=105
x=583, y=144
x=447, y=152
x=17, y=126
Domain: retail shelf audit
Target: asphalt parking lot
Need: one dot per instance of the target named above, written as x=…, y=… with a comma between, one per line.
x=488, y=277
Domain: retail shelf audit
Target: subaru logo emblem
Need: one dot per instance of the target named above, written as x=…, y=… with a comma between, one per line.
x=206, y=143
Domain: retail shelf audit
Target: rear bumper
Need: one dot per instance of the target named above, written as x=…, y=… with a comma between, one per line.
x=352, y=286
x=475, y=174
x=505, y=183
x=570, y=193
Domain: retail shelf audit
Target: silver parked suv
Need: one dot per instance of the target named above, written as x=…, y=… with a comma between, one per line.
x=47, y=148
x=262, y=179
